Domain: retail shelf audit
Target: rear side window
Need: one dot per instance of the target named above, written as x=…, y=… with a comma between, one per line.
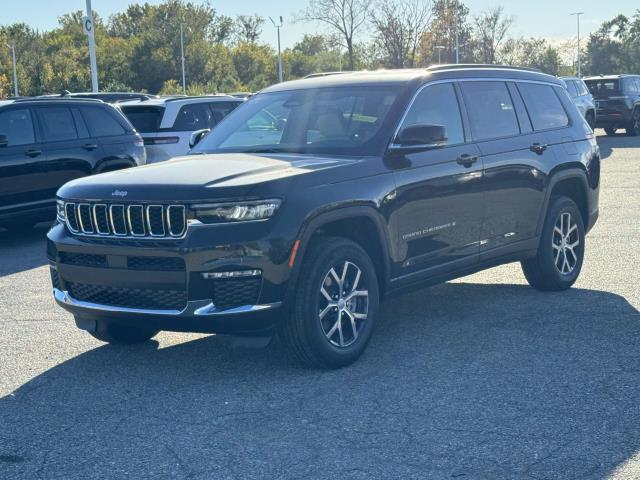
x=193, y=117
x=58, y=124
x=543, y=105
x=222, y=109
x=571, y=87
x=101, y=123
x=437, y=105
x=144, y=119
x=17, y=125
x=490, y=108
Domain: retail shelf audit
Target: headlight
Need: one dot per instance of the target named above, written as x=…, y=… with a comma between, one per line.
x=236, y=212
x=60, y=215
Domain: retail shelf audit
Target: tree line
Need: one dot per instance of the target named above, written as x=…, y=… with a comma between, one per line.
x=139, y=48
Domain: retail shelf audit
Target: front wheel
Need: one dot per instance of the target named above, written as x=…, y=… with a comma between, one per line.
x=118, y=333
x=633, y=130
x=558, y=261
x=335, y=305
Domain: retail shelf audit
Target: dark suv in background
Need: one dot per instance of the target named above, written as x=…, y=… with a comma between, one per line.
x=617, y=100
x=44, y=143
x=318, y=198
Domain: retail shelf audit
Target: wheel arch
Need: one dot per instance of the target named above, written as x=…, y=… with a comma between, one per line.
x=572, y=183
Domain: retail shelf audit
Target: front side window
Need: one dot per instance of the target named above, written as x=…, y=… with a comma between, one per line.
x=17, y=125
x=543, y=105
x=490, y=108
x=437, y=105
x=58, y=124
x=193, y=117
x=332, y=120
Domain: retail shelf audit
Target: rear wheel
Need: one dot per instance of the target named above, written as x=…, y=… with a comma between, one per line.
x=610, y=131
x=558, y=261
x=335, y=305
x=118, y=333
x=633, y=130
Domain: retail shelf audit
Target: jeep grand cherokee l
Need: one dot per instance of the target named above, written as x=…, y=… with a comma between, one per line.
x=45, y=142
x=318, y=198
x=617, y=100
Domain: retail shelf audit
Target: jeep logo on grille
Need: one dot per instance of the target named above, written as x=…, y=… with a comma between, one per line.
x=119, y=193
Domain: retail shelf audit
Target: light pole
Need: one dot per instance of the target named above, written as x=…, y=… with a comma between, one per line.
x=439, y=48
x=184, y=83
x=577, y=14
x=278, y=26
x=87, y=25
x=12, y=46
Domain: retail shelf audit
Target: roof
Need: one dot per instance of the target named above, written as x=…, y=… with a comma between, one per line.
x=163, y=101
x=610, y=77
x=399, y=76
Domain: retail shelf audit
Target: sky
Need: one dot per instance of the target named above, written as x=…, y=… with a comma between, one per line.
x=537, y=18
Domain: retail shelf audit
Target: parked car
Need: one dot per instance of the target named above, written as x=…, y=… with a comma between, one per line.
x=47, y=142
x=583, y=99
x=168, y=124
x=617, y=100
x=367, y=184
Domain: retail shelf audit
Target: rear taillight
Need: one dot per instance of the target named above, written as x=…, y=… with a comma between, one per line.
x=160, y=140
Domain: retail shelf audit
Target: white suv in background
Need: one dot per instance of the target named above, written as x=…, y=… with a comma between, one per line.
x=167, y=124
x=582, y=97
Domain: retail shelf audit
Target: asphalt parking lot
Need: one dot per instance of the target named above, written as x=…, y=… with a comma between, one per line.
x=478, y=378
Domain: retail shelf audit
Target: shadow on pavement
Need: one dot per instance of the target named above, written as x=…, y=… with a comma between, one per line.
x=619, y=140
x=22, y=250
x=460, y=381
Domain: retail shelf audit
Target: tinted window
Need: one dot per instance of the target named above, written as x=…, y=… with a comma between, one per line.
x=144, y=119
x=491, y=111
x=571, y=87
x=222, y=109
x=603, y=88
x=101, y=123
x=437, y=105
x=345, y=120
x=543, y=105
x=193, y=117
x=17, y=125
x=57, y=123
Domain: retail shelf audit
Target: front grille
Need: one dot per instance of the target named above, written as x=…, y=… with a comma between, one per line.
x=128, y=221
x=229, y=293
x=159, y=264
x=146, y=299
x=83, y=259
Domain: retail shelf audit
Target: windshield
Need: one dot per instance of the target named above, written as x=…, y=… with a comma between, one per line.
x=604, y=88
x=337, y=120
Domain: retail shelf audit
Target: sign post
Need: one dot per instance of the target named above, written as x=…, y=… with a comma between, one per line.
x=87, y=28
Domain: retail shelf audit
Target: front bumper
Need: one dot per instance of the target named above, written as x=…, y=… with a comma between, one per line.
x=120, y=281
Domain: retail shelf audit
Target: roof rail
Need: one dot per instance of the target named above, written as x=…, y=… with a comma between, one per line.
x=57, y=99
x=325, y=74
x=453, y=66
x=189, y=97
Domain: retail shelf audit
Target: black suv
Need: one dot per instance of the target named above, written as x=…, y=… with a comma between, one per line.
x=44, y=143
x=617, y=100
x=318, y=198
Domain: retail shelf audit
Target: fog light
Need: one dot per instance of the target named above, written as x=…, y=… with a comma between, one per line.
x=232, y=274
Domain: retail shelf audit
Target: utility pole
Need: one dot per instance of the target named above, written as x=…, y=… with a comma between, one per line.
x=577, y=14
x=184, y=82
x=87, y=26
x=12, y=46
x=457, y=42
x=439, y=48
x=278, y=26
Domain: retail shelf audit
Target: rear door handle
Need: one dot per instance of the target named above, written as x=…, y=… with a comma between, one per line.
x=33, y=153
x=467, y=160
x=538, y=148
x=89, y=146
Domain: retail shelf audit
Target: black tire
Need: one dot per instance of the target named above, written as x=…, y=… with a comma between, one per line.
x=633, y=130
x=591, y=120
x=118, y=333
x=543, y=272
x=308, y=335
x=610, y=131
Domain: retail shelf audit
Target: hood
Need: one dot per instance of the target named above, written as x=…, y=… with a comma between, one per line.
x=198, y=177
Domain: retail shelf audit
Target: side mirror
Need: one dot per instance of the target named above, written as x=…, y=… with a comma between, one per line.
x=421, y=136
x=197, y=136
x=4, y=141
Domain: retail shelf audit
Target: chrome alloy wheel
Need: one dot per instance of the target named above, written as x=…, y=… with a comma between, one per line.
x=344, y=304
x=565, y=241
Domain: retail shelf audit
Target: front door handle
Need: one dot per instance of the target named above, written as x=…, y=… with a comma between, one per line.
x=32, y=153
x=89, y=146
x=538, y=148
x=467, y=160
